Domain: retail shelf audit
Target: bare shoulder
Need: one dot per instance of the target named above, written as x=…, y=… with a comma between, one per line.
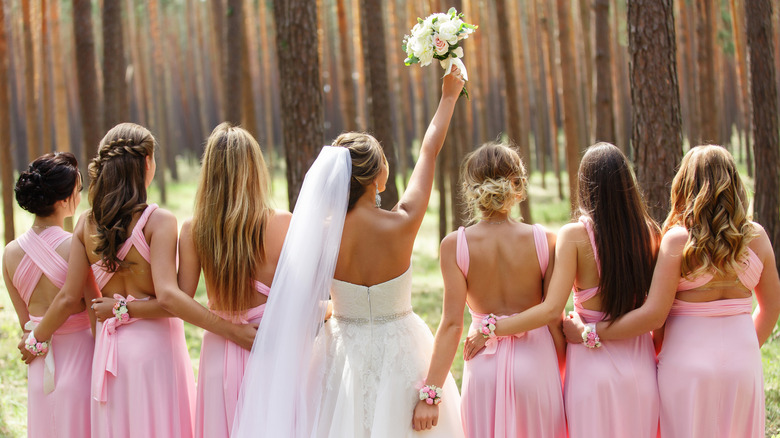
x=761, y=245
x=675, y=237
x=186, y=228
x=449, y=243
x=572, y=232
x=12, y=254
x=280, y=218
x=161, y=218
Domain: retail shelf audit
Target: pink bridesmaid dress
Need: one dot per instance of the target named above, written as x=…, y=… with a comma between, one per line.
x=709, y=370
x=222, y=366
x=610, y=391
x=512, y=388
x=57, y=389
x=142, y=380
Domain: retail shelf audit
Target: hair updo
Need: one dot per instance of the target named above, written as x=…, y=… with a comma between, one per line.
x=48, y=179
x=367, y=161
x=493, y=180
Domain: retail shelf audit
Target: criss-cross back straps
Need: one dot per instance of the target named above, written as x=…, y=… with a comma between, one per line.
x=262, y=288
x=540, y=242
x=462, y=252
x=588, y=222
x=40, y=258
x=136, y=239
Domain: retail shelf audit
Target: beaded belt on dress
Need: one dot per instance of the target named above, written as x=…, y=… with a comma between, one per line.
x=377, y=320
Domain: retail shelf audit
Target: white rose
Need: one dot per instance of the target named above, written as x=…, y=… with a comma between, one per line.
x=426, y=55
x=458, y=52
x=448, y=31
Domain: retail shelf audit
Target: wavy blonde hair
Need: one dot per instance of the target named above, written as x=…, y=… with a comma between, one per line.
x=493, y=179
x=710, y=201
x=231, y=215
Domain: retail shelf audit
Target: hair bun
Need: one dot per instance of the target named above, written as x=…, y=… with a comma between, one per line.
x=48, y=179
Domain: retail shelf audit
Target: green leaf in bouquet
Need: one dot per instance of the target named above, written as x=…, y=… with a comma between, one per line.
x=419, y=20
x=441, y=57
x=411, y=60
x=452, y=12
x=470, y=26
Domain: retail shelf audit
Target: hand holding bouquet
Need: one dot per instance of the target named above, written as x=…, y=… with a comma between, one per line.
x=438, y=37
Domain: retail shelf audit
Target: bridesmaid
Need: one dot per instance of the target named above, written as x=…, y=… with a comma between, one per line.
x=711, y=259
x=513, y=387
x=608, y=255
x=34, y=269
x=236, y=240
x=142, y=380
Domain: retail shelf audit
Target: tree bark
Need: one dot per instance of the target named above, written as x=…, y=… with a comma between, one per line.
x=46, y=100
x=657, y=133
x=232, y=60
x=347, y=93
x=7, y=162
x=605, y=122
x=380, y=123
x=708, y=107
x=158, y=113
x=765, y=122
x=571, y=99
x=301, y=89
x=91, y=119
x=745, y=108
x=61, y=124
x=548, y=45
x=34, y=148
x=114, y=66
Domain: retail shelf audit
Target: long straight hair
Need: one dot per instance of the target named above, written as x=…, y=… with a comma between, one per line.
x=710, y=201
x=626, y=236
x=231, y=215
x=117, y=187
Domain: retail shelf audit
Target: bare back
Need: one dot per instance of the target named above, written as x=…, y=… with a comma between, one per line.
x=587, y=274
x=504, y=275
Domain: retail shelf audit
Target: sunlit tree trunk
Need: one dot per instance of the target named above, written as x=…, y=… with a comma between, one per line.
x=347, y=93
x=86, y=70
x=547, y=22
x=765, y=122
x=114, y=66
x=657, y=134
x=605, y=122
x=745, y=107
x=571, y=100
x=542, y=132
x=7, y=162
x=34, y=148
x=159, y=116
x=61, y=124
x=705, y=51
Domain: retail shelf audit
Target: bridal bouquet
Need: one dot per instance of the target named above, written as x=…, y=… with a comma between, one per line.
x=438, y=37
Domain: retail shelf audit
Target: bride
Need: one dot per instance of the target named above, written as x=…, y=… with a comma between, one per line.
x=360, y=374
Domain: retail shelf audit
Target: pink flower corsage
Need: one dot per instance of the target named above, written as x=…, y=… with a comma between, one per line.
x=35, y=346
x=431, y=394
x=589, y=337
x=120, y=312
x=488, y=327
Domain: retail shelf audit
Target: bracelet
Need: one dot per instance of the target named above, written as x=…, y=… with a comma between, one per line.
x=120, y=311
x=431, y=394
x=36, y=347
x=589, y=337
x=488, y=327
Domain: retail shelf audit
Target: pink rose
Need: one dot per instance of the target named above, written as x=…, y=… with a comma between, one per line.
x=485, y=330
x=441, y=46
x=429, y=401
x=492, y=321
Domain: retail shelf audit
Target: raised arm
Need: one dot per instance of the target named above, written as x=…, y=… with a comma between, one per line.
x=415, y=199
x=767, y=290
x=550, y=309
x=448, y=335
x=176, y=301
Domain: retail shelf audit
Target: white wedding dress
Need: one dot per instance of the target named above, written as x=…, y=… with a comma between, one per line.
x=376, y=353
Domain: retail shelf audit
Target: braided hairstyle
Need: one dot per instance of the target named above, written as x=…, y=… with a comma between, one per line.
x=117, y=188
x=48, y=179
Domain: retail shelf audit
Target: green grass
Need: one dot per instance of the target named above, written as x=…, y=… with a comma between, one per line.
x=547, y=209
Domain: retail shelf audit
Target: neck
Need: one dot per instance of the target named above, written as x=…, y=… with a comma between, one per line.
x=494, y=217
x=55, y=220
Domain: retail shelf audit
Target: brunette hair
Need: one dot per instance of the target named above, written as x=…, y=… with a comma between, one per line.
x=231, y=215
x=710, y=201
x=48, y=179
x=493, y=179
x=117, y=188
x=367, y=160
x=625, y=234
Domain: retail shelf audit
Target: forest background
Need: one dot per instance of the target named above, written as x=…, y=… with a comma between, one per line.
x=552, y=76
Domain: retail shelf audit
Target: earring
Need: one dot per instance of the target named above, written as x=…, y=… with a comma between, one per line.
x=377, y=198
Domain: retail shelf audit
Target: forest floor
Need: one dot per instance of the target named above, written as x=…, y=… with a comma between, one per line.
x=547, y=209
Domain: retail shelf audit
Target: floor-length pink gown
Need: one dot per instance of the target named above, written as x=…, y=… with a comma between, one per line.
x=512, y=388
x=222, y=366
x=709, y=370
x=57, y=385
x=610, y=391
x=142, y=380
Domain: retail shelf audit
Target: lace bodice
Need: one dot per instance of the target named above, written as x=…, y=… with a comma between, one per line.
x=377, y=303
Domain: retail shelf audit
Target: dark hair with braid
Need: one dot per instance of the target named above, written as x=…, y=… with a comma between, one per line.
x=48, y=179
x=117, y=188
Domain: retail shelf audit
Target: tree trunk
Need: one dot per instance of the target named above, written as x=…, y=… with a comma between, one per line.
x=89, y=102
x=586, y=74
x=571, y=99
x=158, y=114
x=62, y=127
x=745, y=108
x=541, y=131
x=345, y=72
x=114, y=66
x=765, y=122
x=360, y=67
x=34, y=148
x=46, y=78
x=301, y=89
x=380, y=123
x=605, y=122
x=249, y=62
x=708, y=107
x=546, y=21
x=657, y=133
x=6, y=161
x=232, y=61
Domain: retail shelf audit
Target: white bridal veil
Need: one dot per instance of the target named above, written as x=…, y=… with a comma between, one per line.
x=279, y=396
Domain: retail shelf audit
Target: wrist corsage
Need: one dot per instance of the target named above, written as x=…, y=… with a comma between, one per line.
x=589, y=337
x=36, y=347
x=430, y=394
x=120, y=311
x=488, y=327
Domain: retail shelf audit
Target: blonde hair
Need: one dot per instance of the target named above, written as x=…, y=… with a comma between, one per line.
x=493, y=180
x=367, y=161
x=710, y=201
x=231, y=215
x=117, y=187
